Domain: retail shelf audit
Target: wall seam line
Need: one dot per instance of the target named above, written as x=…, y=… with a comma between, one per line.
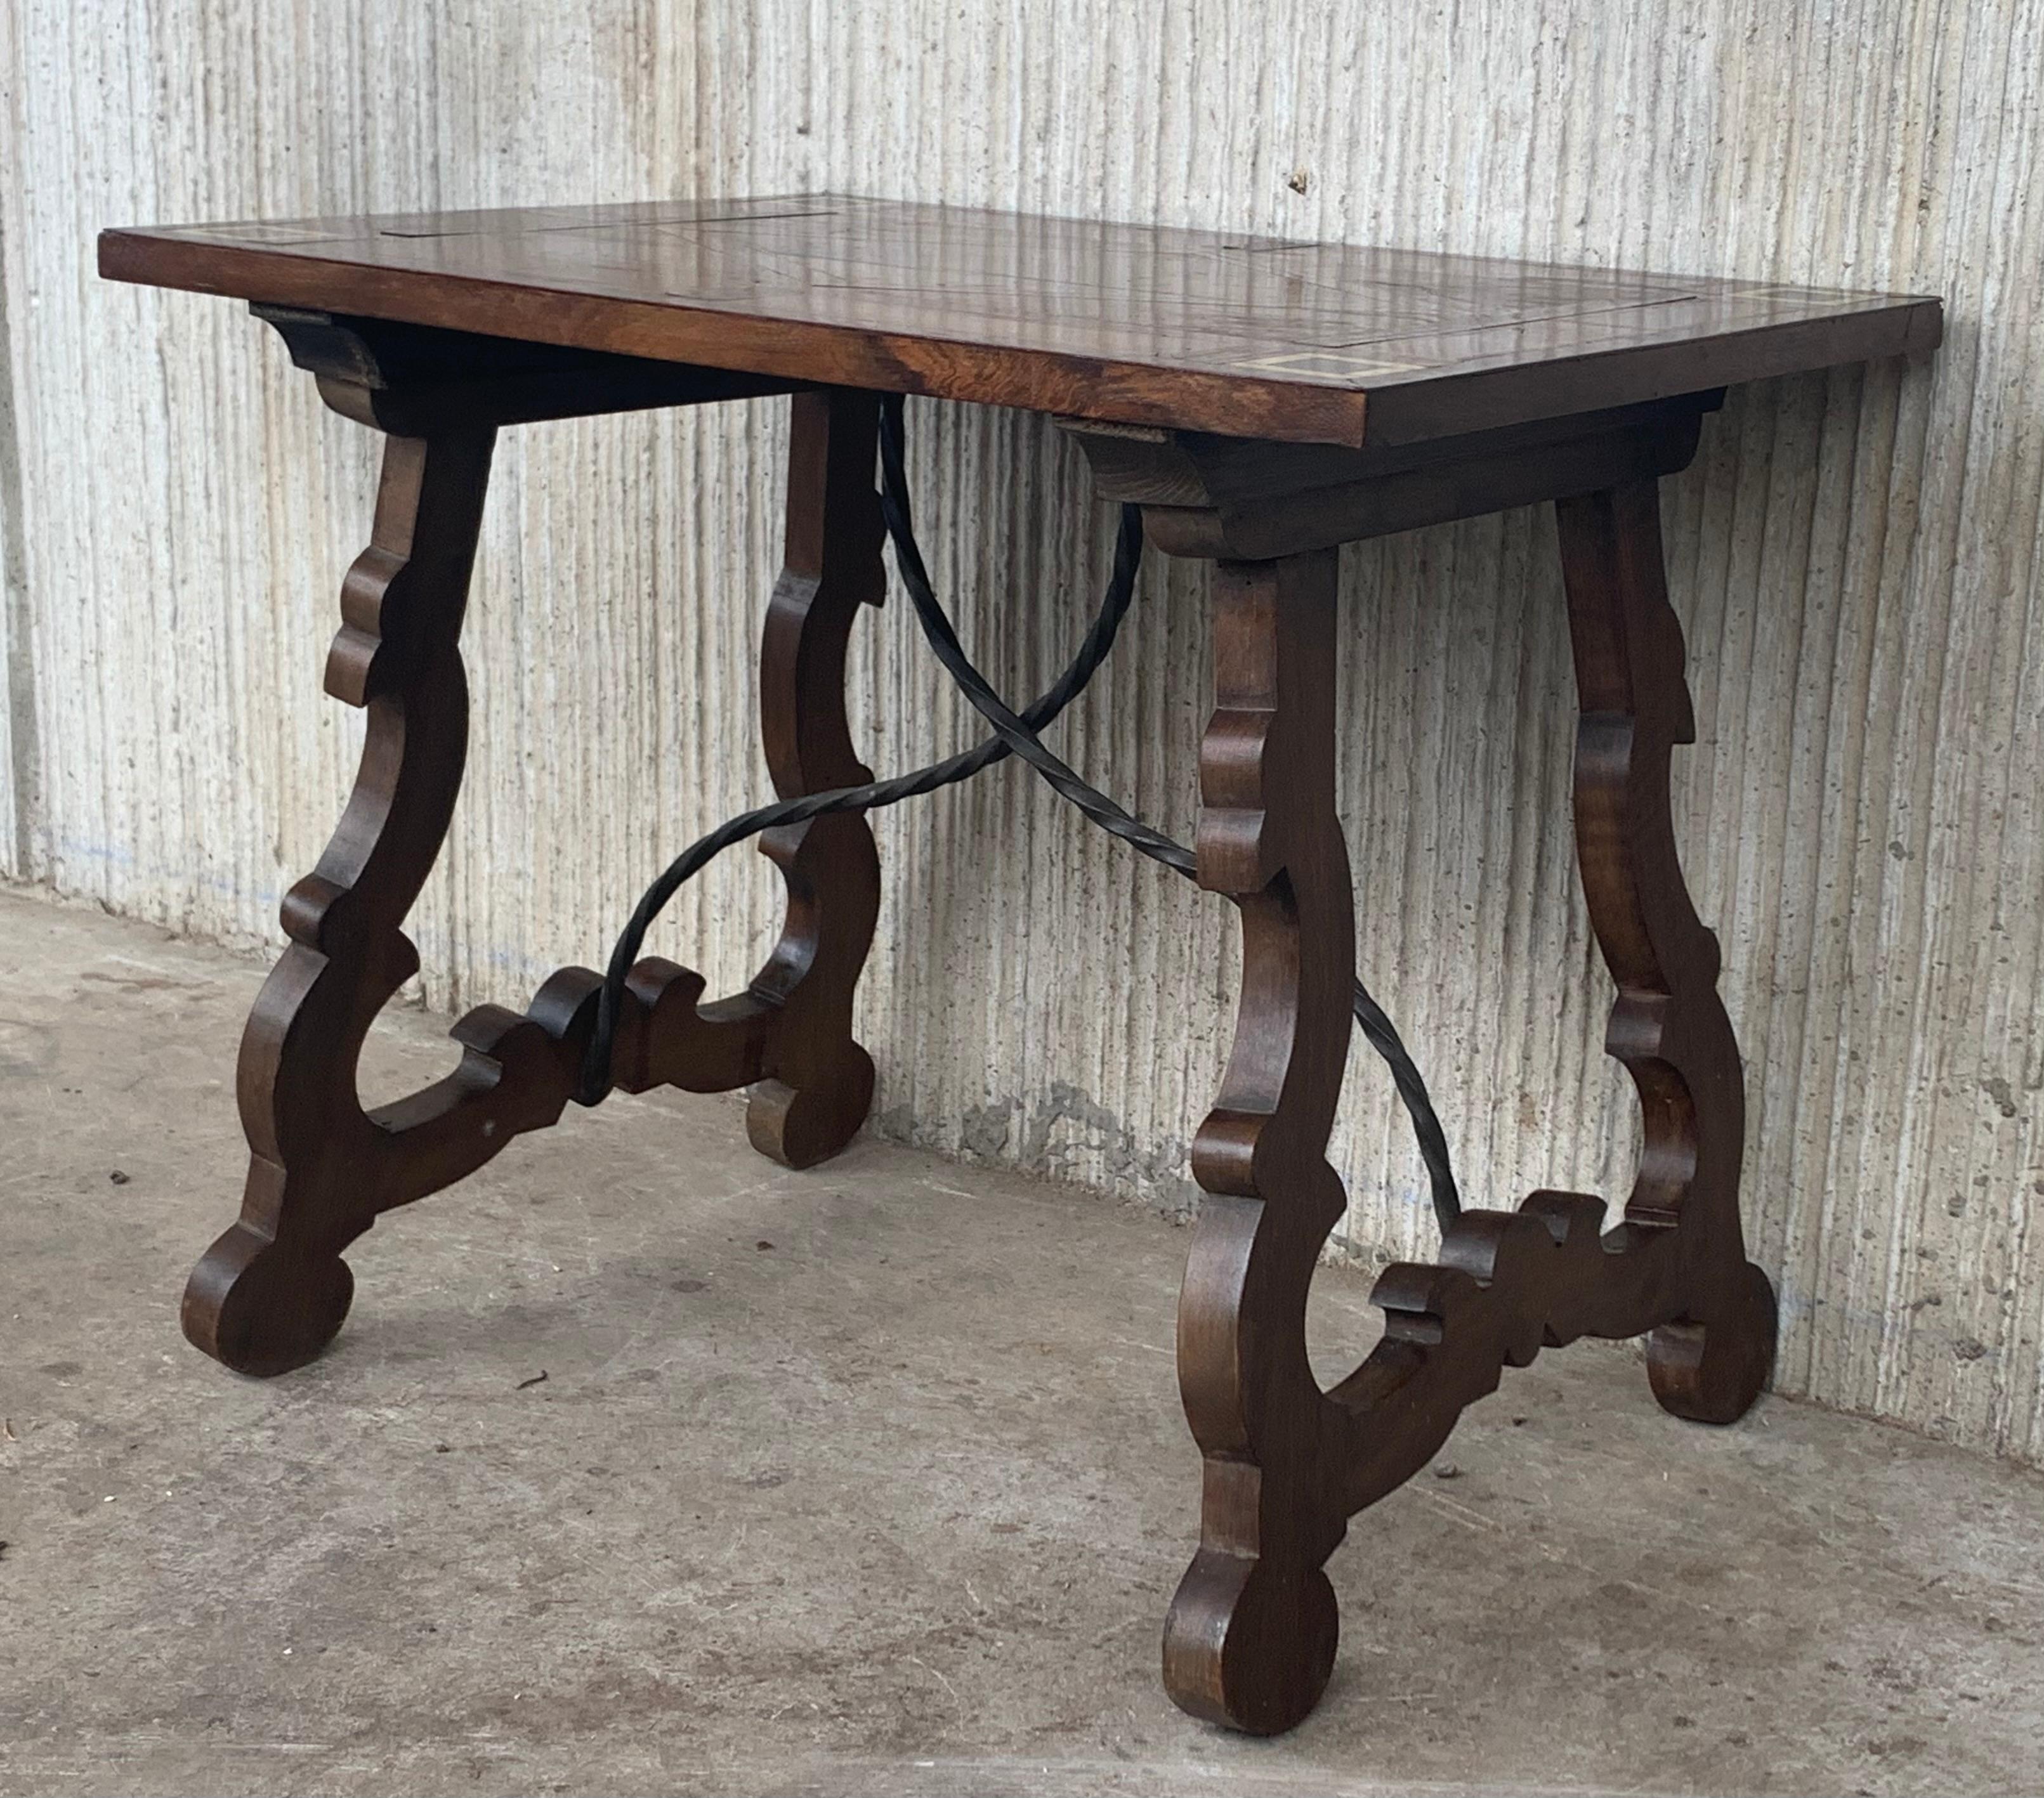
x=24, y=744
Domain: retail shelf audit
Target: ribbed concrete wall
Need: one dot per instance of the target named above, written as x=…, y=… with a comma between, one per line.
x=1856, y=557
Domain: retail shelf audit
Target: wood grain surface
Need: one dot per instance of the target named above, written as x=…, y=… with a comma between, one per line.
x=1223, y=332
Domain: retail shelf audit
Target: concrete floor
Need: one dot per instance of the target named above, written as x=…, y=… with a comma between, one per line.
x=642, y=1465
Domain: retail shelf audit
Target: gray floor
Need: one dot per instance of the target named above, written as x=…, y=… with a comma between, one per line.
x=867, y=1480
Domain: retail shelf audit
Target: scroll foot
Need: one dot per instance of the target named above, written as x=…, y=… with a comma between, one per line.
x=800, y=1126
x=261, y=1309
x=1712, y=1371
x=1249, y=1644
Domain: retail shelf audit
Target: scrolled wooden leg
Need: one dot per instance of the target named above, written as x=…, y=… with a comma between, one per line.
x=816, y=1082
x=1249, y=1640
x=788, y=1035
x=1669, y=1026
x=271, y=1292
x=1251, y=1634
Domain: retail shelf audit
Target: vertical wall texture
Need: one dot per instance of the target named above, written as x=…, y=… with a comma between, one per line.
x=1856, y=557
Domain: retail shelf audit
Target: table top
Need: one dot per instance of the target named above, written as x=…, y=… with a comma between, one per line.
x=1140, y=324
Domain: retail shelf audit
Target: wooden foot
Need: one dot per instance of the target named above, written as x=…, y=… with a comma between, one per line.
x=271, y=1292
x=1249, y=1639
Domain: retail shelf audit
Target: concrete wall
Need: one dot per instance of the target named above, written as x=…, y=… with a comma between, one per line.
x=1856, y=557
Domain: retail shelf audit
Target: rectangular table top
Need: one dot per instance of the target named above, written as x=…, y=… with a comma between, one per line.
x=1143, y=324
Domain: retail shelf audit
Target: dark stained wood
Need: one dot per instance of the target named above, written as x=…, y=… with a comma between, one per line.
x=270, y=1293
x=1709, y=1361
x=788, y=1035
x=1228, y=332
x=1223, y=497
x=1263, y=401
x=816, y=1083
x=412, y=379
x=1249, y=1639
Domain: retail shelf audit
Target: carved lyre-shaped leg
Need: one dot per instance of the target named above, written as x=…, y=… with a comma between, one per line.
x=788, y=1035
x=816, y=1082
x=1669, y=1026
x=271, y=1292
x=1251, y=1637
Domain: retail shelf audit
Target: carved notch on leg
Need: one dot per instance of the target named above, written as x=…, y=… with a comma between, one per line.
x=1249, y=1640
x=1668, y=1025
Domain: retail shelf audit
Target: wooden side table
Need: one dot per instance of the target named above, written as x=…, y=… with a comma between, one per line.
x=1263, y=401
